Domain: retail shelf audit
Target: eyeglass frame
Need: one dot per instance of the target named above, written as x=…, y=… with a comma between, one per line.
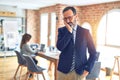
x=69, y=17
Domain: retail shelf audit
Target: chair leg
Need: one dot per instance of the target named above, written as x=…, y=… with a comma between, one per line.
x=16, y=72
x=97, y=78
x=113, y=70
x=43, y=76
x=20, y=72
x=37, y=76
x=33, y=74
x=27, y=75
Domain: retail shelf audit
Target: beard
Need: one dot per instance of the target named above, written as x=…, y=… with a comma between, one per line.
x=73, y=23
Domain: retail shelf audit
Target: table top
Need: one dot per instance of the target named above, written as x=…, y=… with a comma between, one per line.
x=52, y=55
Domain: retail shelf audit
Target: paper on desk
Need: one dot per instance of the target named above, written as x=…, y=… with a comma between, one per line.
x=51, y=53
x=33, y=55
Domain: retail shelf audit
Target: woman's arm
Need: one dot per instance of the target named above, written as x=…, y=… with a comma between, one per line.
x=30, y=50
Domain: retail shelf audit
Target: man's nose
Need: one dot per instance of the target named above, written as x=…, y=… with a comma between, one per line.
x=67, y=20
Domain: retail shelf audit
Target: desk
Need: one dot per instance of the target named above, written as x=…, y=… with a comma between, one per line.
x=53, y=58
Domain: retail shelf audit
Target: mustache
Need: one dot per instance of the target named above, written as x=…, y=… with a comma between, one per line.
x=70, y=23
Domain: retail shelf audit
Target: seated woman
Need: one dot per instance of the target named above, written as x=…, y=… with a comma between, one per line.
x=26, y=49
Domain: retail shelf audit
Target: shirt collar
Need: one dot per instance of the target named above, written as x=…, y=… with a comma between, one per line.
x=75, y=27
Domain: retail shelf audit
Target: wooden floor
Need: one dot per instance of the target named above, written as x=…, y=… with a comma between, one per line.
x=8, y=66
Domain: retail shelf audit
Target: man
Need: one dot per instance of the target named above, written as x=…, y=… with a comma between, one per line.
x=73, y=42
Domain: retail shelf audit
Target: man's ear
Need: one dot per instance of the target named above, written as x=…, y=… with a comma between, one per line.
x=76, y=16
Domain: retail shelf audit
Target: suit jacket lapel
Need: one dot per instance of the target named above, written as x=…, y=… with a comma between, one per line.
x=78, y=35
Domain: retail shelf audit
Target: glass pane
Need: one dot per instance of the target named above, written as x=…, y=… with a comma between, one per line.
x=101, y=32
x=44, y=29
x=113, y=29
x=53, y=29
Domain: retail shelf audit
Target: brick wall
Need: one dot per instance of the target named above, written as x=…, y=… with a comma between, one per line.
x=33, y=23
x=91, y=14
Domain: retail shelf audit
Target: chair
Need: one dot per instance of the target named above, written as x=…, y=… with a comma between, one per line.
x=33, y=68
x=94, y=74
x=97, y=55
x=21, y=63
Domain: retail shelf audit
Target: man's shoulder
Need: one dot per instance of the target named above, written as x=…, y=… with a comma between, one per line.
x=82, y=28
x=62, y=28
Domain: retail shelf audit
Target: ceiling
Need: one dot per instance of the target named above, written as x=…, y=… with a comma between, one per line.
x=36, y=4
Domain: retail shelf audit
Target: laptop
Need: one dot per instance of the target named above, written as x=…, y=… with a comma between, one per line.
x=42, y=47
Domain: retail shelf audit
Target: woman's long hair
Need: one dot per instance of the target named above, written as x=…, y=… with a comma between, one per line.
x=25, y=38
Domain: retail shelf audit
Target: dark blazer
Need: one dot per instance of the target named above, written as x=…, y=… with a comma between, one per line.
x=83, y=42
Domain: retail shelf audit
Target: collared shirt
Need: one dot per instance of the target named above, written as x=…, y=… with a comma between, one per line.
x=74, y=32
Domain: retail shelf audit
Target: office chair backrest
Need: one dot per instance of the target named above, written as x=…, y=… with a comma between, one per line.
x=30, y=63
x=95, y=71
x=97, y=55
x=21, y=59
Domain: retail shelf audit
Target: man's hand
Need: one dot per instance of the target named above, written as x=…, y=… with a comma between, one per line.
x=85, y=73
x=68, y=27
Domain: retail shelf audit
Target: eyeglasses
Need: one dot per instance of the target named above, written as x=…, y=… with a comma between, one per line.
x=69, y=17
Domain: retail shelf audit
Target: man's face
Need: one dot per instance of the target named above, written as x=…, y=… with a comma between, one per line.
x=69, y=17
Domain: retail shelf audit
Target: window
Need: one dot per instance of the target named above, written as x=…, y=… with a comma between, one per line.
x=108, y=30
x=44, y=29
x=113, y=28
x=53, y=29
